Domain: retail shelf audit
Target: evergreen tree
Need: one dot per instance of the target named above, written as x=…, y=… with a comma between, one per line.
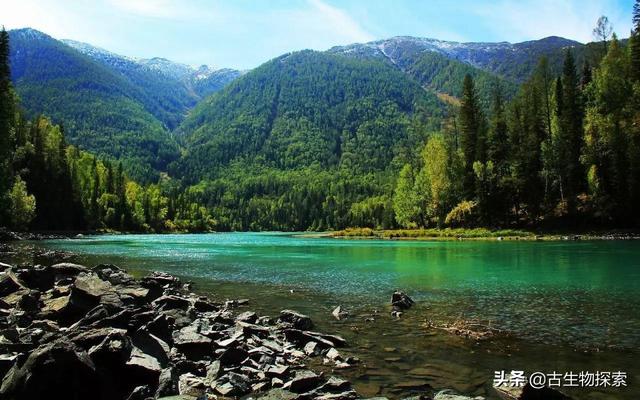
x=498, y=153
x=6, y=124
x=472, y=140
x=570, y=116
x=634, y=42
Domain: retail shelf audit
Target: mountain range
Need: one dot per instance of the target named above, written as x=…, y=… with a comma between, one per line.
x=350, y=106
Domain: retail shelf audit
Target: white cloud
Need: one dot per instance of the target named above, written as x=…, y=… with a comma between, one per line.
x=163, y=9
x=339, y=21
x=525, y=20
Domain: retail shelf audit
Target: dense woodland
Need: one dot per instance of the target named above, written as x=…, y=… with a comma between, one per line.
x=46, y=184
x=318, y=141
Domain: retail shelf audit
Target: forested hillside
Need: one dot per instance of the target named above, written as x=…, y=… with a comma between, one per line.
x=98, y=108
x=167, y=89
x=46, y=184
x=565, y=152
x=305, y=109
x=110, y=105
x=404, y=132
x=514, y=62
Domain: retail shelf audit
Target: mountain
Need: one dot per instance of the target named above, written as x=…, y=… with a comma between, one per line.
x=514, y=62
x=169, y=89
x=100, y=110
x=304, y=109
x=112, y=105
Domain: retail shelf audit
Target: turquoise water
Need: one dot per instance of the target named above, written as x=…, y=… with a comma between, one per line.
x=564, y=304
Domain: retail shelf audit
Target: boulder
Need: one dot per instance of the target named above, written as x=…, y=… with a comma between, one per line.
x=112, y=274
x=62, y=270
x=193, y=344
x=233, y=356
x=295, y=320
x=248, y=317
x=153, y=346
x=191, y=385
x=401, y=301
x=53, y=371
x=233, y=385
x=9, y=284
x=113, y=351
x=213, y=371
x=304, y=381
x=30, y=302
x=171, y=302
x=324, y=341
x=91, y=285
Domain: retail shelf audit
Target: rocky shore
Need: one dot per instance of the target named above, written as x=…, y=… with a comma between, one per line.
x=74, y=332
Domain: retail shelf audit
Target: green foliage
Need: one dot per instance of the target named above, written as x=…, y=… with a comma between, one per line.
x=444, y=75
x=308, y=109
x=101, y=111
x=434, y=184
x=23, y=205
x=7, y=105
x=405, y=199
x=463, y=214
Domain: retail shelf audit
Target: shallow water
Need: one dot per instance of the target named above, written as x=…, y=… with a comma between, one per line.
x=567, y=306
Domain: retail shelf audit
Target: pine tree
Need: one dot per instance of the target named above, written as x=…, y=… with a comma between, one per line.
x=634, y=42
x=472, y=140
x=7, y=107
x=586, y=76
x=570, y=118
x=498, y=153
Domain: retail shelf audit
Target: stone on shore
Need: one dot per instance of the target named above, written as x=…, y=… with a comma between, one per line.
x=67, y=331
x=295, y=320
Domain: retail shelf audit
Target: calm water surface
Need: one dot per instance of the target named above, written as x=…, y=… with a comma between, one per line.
x=567, y=306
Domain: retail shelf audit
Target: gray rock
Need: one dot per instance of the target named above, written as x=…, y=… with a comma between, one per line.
x=213, y=371
x=91, y=285
x=311, y=349
x=339, y=313
x=42, y=376
x=248, y=316
x=143, y=392
x=304, y=381
x=192, y=343
x=191, y=385
x=295, y=319
x=401, y=301
x=9, y=284
x=233, y=356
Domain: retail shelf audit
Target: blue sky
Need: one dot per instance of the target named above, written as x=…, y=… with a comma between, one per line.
x=245, y=33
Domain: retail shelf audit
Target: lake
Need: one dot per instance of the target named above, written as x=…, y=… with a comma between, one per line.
x=560, y=306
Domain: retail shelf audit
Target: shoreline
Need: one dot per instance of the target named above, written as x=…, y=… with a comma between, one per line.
x=470, y=235
x=313, y=362
x=74, y=331
x=435, y=234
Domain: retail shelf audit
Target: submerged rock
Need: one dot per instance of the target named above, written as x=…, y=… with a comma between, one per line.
x=401, y=301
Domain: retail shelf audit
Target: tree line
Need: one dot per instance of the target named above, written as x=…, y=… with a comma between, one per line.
x=564, y=152
x=46, y=184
